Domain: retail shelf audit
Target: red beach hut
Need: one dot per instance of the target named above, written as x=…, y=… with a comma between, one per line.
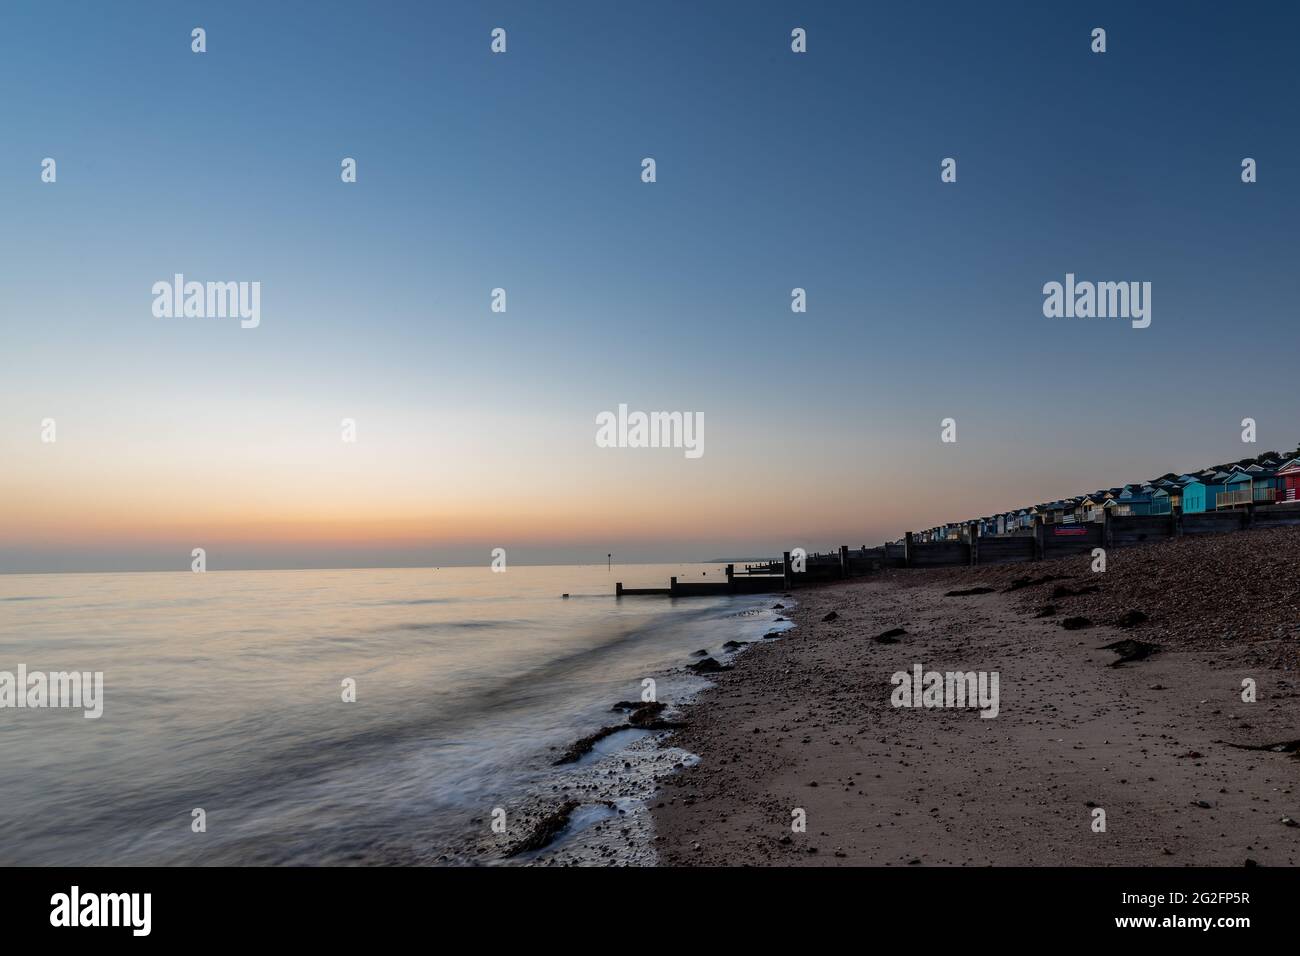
x=1288, y=481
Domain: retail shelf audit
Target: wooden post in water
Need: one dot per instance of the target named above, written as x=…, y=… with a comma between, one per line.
x=618, y=589
x=672, y=587
x=731, y=577
x=787, y=570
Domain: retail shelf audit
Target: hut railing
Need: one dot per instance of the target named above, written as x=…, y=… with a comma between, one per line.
x=1231, y=499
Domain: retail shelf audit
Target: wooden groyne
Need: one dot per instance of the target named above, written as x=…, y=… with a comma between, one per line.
x=767, y=577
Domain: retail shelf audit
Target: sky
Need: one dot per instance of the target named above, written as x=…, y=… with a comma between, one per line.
x=523, y=171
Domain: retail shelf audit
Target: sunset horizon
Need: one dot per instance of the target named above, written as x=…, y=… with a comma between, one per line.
x=472, y=353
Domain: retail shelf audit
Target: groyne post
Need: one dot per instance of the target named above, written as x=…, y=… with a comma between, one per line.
x=787, y=572
x=618, y=589
x=1040, y=538
x=907, y=550
x=844, y=560
x=973, y=530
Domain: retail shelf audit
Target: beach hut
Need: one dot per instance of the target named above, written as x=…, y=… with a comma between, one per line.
x=1057, y=513
x=1264, y=485
x=1134, y=500
x=1199, y=495
x=1288, y=481
x=1088, y=508
x=1194, y=497
x=1249, y=484
x=1215, y=484
x=1237, y=491
x=1161, y=502
x=1175, y=490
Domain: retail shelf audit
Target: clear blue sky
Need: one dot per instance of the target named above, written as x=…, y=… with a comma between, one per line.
x=775, y=170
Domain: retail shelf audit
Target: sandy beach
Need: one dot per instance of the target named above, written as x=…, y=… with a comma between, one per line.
x=806, y=722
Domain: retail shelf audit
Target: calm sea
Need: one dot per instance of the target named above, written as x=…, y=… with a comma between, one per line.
x=223, y=691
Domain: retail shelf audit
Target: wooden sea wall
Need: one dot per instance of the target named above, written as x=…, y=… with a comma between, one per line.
x=1046, y=541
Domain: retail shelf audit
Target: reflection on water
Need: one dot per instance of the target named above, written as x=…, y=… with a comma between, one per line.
x=224, y=691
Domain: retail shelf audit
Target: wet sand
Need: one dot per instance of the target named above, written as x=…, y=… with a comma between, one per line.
x=806, y=722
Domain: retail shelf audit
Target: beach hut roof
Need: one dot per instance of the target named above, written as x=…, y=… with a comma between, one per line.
x=1133, y=493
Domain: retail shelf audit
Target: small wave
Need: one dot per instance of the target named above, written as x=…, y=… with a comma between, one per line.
x=449, y=625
